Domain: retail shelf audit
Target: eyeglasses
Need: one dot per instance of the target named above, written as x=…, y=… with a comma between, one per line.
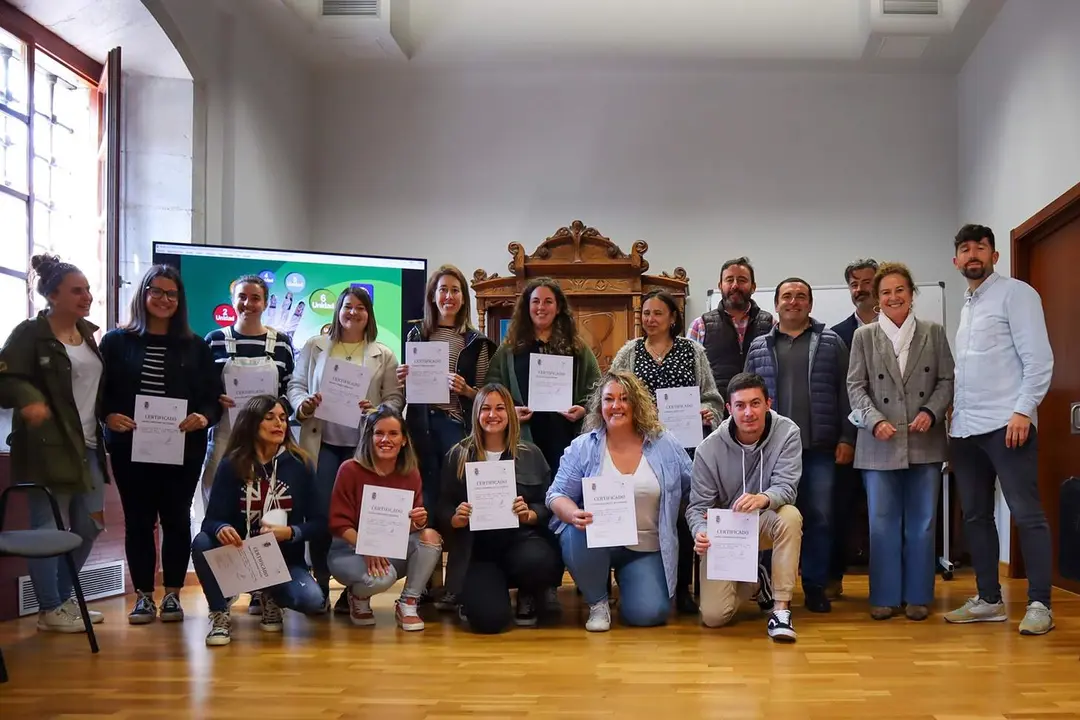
x=157, y=293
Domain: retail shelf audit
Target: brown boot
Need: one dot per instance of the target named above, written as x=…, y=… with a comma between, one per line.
x=917, y=612
x=878, y=612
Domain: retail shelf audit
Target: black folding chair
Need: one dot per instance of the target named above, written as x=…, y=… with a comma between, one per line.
x=43, y=543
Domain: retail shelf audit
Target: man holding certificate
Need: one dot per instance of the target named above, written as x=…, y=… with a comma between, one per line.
x=746, y=476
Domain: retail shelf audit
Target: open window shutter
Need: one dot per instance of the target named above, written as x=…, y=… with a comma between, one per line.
x=108, y=167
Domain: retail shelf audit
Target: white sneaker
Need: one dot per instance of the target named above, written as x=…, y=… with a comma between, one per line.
x=60, y=620
x=72, y=606
x=599, y=617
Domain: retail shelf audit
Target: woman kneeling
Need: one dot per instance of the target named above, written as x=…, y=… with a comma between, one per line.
x=625, y=440
x=385, y=458
x=264, y=487
x=494, y=561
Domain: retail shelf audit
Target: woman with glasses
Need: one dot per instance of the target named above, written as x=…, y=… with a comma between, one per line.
x=157, y=356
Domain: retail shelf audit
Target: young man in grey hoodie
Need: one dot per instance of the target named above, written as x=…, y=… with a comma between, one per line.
x=751, y=463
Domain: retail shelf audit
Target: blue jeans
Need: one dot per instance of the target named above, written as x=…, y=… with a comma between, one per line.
x=51, y=578
x=301, y=594
x=331, y=457
x=444, y=432
x=815, y=502
x=901, y=506
x=643, y=590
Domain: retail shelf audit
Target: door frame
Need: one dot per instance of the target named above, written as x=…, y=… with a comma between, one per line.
x=1059, y=213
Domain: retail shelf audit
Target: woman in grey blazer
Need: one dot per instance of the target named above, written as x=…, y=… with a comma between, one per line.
x=900, y=382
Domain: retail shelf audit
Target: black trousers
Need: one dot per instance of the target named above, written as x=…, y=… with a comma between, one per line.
x=156, y=495
x=530, y=563
x=847, y=490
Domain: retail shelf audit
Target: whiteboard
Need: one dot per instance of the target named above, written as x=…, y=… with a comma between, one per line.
x=832, y=303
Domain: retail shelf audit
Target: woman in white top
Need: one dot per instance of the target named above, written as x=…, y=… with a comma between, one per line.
x=626, y=440
x=351, y=339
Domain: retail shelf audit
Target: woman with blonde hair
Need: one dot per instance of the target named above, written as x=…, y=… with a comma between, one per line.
x=485, y=564
x=624, y=438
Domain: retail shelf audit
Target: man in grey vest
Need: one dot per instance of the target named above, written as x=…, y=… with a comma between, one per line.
x=727, y=331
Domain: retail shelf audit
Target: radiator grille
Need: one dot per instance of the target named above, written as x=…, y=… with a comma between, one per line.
x=98, y=581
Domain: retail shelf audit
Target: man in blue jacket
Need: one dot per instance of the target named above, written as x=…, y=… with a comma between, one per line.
x=804, y=365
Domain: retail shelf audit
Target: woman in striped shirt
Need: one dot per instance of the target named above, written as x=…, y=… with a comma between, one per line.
x=437, y=428
x=157, y=355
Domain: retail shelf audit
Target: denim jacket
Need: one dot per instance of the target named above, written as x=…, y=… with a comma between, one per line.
x=668, y=461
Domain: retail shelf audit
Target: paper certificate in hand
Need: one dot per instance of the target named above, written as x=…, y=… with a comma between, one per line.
x=733, y=546
x=255, y=565
x=551, y=383
x=429, y=368
x=611, y=502
x=680, y=413
x=491, y=487
x=157, y=437
x=243, y=383
x=343, y=386
x=384, y=523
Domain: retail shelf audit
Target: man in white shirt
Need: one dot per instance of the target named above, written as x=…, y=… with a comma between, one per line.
x=1003, y=368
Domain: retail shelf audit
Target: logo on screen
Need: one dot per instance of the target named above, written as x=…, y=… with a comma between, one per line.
x=267, y=276
x=322, y=301
x=224, y=315
x=295, y=282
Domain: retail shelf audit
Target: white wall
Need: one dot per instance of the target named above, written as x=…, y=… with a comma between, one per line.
x=801, y=172
x=1018, y=99
x=252, y=127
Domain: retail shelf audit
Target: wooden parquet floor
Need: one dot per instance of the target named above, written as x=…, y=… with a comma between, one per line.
x=844, y=666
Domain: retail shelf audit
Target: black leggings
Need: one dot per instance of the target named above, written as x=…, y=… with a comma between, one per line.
x=528, y=562
x=155, y=495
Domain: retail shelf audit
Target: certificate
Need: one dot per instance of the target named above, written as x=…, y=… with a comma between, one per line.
x=611, y=502
x=255, y=565
x=492, y=488
x=733, y=546
x=243, y=383
x=342, y=387
x=429, y=369
x=384, y=523
x=680, y=413
x=157, y=438
x=551, y=382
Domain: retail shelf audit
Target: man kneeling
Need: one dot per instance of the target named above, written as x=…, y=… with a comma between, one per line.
x=751, y=463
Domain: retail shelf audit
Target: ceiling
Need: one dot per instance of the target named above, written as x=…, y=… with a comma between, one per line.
x=97, y=26
x=817, y=33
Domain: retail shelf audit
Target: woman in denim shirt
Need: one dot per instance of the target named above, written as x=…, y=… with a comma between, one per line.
x=624, y=438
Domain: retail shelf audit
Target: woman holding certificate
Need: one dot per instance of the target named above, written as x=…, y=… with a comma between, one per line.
x=379, y=524
x=664, y=359
x=616, y=501
x=50, y=374
x=493, y=499
x=161, y=394
x=358, y=374
x=265, y=485
x=900, y=381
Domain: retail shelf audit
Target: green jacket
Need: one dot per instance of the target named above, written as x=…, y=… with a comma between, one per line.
x=502, y=371
x=34, y=367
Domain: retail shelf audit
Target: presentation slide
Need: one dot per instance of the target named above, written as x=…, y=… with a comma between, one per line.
x=304, y=288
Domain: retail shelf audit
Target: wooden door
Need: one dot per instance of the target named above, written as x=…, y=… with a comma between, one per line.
x=1046, y=254
x=604, y=326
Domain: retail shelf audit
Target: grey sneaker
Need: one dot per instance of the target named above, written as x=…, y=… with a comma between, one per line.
x=272, y=615
x=599, y=617
x=978, y=610
x=72, y=606
x=1038, y=620
x=220, y=629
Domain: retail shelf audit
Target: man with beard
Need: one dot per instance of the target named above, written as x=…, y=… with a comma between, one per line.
x=805, y=366
x=859, y=277
x=727, y=331
x=1003, y=368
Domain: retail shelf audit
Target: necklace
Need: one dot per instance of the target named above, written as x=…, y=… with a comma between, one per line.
x=658, y=357
x=349, y=353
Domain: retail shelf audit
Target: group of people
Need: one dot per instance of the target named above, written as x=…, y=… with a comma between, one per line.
x=794, y=414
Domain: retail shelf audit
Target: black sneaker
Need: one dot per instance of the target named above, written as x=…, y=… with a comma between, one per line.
x=447, y=602
x=341, y=607
x=525, y=613
x=255, y=604
x=764, y=595
x=144, y=611
x=684, y=602
x=816, y=600
x=780, y=627
x=171, y=611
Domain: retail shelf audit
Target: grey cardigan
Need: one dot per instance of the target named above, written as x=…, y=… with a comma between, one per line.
x=879, y=392
x=710, y=396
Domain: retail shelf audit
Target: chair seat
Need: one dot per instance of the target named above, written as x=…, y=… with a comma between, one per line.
x=38, y=543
